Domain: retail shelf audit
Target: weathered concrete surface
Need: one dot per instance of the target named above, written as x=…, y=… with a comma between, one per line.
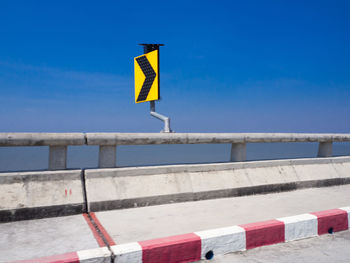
x=107, y=156
x=136, y=224
x=322, y=249
x=195, y=138
x=325, y=149
x=44, y=237
x=57, y=157
x=128, y=187
x=26, y=195
x=56, y=139
x=238, y=152
x=41, y=139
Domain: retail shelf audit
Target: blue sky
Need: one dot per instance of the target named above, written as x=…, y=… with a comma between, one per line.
x=227, y=66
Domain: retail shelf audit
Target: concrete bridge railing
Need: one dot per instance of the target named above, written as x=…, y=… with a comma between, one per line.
x=107, y=142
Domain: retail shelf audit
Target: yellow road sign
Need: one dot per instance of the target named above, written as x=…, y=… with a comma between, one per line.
x=146, y=77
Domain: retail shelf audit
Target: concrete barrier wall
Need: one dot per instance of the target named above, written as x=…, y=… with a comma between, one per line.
x=26, y=195
x=130, y=187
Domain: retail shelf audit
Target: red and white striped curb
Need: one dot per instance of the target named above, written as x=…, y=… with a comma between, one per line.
x=97, y=255
x=199, y=245
x=205, y=244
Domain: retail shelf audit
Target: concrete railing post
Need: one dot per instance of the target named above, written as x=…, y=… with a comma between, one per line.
x=238, y=152
x=325, y=149
x=57, y=157
x=107, y=156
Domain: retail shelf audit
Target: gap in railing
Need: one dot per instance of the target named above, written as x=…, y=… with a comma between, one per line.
x=36, y=158
x=82, y=157
x=26, y=158
x=341, y=149
x=287, y=150
x=140, y=155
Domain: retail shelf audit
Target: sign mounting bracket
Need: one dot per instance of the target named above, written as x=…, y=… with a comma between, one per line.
x=161, y=117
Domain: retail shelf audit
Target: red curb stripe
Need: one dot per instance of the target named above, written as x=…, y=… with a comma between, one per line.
x=97, y=236
x=336, y=219
x=71, y=257
x=263, y=233
x=104, y=232
x=181, y=248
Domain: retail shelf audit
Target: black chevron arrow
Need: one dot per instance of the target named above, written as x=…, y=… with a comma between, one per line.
x=150, y=76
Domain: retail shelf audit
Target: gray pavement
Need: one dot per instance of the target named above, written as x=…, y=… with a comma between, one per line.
x=322, y=249
x=51, y=236
x=44, y=237
x=145, y=223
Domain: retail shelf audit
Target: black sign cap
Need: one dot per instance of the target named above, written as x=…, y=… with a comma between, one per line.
x=150, y=47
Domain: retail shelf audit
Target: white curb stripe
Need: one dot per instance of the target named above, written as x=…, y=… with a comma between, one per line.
x=97, y=255
x=347, y=209
x=128, y=253
x=299, y=227
x=222, y=240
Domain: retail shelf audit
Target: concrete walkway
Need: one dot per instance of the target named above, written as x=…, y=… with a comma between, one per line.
x=145, y=223
x=30, y=239
x=44, y=237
